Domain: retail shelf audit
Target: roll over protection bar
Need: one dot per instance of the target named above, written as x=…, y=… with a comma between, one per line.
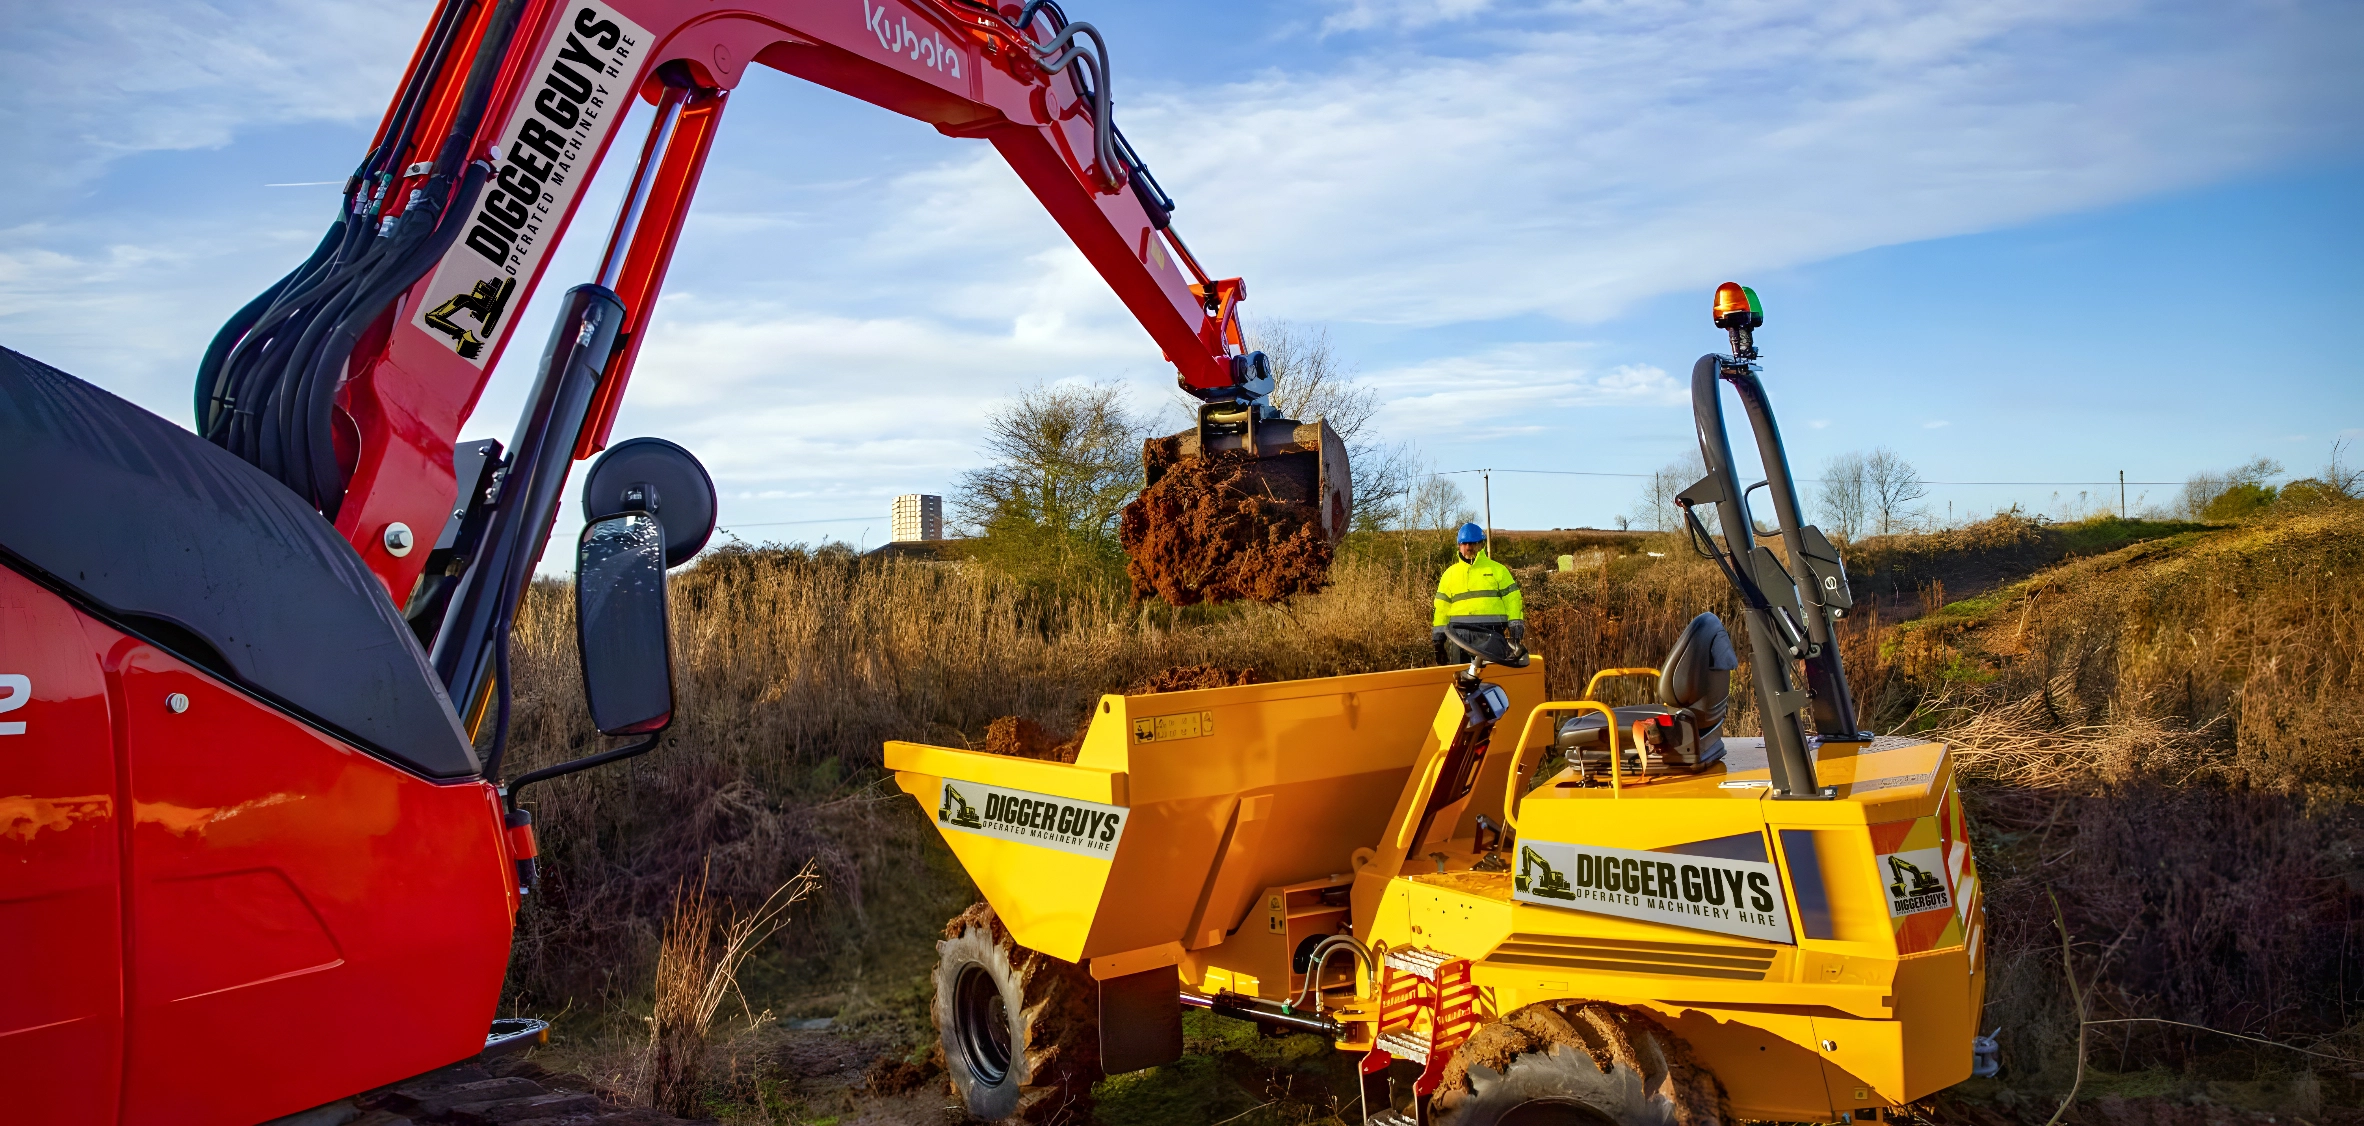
x=1790, y=608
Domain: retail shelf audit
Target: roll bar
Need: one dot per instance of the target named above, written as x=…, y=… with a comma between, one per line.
x=1782, y=625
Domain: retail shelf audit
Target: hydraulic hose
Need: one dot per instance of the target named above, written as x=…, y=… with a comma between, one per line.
x=1320, y=957
x=267, y=387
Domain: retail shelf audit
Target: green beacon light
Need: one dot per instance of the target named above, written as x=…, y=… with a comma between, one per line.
x=1738, y=312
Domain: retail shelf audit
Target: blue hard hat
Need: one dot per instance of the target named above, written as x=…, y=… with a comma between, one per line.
x=1470, y=533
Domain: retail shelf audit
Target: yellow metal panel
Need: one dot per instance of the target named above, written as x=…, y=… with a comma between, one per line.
x=1012, y=875
x=1863, y=1061
x=1937, y=1001
x=1767, y=1061
x=1374, y=876
x=1055, y=779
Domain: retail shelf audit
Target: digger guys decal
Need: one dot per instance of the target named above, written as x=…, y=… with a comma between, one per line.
x=1081, y=827
x=577, y=93
x=1914, y=881
x=1738, y=897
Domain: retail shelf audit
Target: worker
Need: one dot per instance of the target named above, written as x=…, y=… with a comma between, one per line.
x=1475, y=590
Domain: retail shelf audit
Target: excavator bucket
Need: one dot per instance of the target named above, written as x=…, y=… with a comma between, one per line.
x=1233, y=510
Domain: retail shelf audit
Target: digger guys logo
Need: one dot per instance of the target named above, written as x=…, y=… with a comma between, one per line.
x=1081, y=827
x=1739, y=897
x=579, y=90
x=1913, y=882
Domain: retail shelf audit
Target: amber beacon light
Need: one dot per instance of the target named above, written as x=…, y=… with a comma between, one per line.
x=1737, y=307
x=1737, y=311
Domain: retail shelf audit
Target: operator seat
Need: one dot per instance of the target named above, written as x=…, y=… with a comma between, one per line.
x=1684, y=730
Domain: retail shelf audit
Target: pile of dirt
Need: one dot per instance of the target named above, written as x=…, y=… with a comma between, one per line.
x=1191, y=678
x=1020, y=737
x=1212, y=529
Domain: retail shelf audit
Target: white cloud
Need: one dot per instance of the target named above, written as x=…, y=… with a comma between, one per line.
x=1499, y=391
x=1936, y=424
x=90, y=83
x=1571, y=160
x=1359, y=15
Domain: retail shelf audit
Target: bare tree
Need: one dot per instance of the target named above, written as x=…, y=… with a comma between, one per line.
x=1311, y=381
x=2205, y=489
x=1064, y=460
x=1892, y=484
x=1845, y=495
x=2343, y=479
x=1658, y=494
x=1437, y=503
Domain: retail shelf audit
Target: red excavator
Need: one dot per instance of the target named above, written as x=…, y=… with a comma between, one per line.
x=257, y=847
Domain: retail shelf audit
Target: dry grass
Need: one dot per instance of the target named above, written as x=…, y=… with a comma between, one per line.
x=2163, y=734
x=2166, y=737
x=697, y=970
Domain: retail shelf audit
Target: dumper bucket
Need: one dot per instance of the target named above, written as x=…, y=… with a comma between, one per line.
x=1215, y=830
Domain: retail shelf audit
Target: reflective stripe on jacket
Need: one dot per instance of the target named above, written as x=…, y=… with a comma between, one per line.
x=1479, y=590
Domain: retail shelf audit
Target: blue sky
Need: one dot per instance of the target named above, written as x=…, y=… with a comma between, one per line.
x=2023, y=241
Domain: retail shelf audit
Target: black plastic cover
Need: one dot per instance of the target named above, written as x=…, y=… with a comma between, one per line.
x=1140, y=1020
x=677, y=489
x=184, y=544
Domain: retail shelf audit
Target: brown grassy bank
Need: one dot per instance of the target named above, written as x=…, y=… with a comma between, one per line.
x=2162, y=735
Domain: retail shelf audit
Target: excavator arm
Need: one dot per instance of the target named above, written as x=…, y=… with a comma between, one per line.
x=349, y=380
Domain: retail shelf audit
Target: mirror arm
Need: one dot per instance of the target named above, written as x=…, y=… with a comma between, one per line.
x=586, y=762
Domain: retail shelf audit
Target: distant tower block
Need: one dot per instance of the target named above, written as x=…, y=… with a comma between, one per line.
x=918, y=516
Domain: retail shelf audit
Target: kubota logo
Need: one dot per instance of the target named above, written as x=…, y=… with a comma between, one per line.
x=925, y=48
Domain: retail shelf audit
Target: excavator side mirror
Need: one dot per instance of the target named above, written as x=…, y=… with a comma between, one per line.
x=621, y=626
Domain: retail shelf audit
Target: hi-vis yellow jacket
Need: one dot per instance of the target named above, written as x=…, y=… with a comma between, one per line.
x=1477, y=590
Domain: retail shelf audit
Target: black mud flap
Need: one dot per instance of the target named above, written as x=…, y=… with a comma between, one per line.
x=1140, y=1020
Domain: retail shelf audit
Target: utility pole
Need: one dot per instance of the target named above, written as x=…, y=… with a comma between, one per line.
x=1489, y=488
x=2121, y=494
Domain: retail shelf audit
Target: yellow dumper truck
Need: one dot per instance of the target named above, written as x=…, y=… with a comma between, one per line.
x=1513, y=909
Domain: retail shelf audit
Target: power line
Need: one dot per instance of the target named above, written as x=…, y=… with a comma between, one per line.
x=1800, y=480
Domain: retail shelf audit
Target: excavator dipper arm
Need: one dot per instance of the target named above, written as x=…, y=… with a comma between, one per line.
x=508, y=110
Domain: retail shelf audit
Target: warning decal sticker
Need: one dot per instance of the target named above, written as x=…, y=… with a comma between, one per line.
x=1081, y=827
x=579, y=91
x=1165, y=728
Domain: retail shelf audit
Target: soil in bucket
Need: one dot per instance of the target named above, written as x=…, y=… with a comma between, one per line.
x=1217, y=529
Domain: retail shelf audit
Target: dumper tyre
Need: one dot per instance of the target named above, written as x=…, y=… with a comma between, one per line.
x=1573, y=1063
x=1019, y=1028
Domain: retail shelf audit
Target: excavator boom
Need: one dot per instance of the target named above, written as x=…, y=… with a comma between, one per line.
x=350, y=379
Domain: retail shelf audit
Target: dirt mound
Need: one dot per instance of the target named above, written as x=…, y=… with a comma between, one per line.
x=1190, y=678
x=1212, y=529
x=1020, y=737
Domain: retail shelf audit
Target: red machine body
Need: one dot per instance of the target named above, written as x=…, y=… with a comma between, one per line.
x=214, y=907
x=217, y=914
